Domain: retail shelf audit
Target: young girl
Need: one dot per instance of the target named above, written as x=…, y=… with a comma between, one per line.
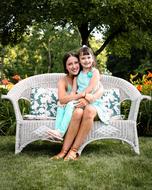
x=86, y=84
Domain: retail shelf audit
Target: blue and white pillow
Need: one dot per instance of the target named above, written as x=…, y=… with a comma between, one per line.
x=52, y=99
x=43, y=102
x=111, y=101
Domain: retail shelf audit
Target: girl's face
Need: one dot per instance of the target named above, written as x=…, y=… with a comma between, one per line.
x=86, y=61
x=72, y=65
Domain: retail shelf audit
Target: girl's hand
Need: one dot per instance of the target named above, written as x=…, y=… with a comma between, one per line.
x=82, y=102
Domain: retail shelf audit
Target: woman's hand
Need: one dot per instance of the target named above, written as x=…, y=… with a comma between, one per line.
x=82, y=94
x=82, y=102
x=89, y=97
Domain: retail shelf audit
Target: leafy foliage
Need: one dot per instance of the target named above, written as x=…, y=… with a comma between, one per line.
x=41, y=52
x=7, y=118
x=144, y=121
x=122, y=65
x=129, y=20
x=144, y=85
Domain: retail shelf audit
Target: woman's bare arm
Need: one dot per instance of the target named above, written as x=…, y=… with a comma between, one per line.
x=63, y=96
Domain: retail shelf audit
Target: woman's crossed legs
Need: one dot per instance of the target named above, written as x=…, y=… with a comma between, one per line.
x=71, y=133
x=85, y=126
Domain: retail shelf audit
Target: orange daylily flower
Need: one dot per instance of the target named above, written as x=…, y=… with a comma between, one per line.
x=16, y=77
x=148, y=82
x=10, y=86
x=149, y=74
x=5, y=82
x=139, y=87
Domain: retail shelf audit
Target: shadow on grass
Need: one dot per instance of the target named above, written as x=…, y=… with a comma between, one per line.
x=46, y=148
x=36, y=148
x=108, y=148
x=43, y=147
x=100, y=147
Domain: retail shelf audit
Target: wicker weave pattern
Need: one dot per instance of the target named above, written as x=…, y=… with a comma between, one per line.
x=124, y=130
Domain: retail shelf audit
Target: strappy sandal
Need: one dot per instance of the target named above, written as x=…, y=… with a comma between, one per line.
x=72, y=155
x=59, y=156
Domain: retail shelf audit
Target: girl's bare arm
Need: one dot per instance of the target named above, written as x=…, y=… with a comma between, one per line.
x=93, y=82
x=96, y=95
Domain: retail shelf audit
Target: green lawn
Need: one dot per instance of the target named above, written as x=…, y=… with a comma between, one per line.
x=104, y=165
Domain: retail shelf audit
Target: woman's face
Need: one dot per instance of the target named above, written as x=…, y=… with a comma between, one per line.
x=72, y=65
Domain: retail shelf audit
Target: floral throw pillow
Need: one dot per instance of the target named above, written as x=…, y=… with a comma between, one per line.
x=52, y=99
x=111, y=101
x=43, y=102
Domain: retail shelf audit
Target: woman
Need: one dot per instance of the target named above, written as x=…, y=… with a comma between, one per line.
x=83, y=115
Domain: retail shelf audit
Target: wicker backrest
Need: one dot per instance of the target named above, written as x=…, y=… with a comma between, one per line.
x=127, y=90
x=23, y=88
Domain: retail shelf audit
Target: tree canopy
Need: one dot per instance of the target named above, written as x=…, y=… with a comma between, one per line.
x=127, y=21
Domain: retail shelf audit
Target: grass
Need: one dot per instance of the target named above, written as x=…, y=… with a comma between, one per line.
x=104, y=165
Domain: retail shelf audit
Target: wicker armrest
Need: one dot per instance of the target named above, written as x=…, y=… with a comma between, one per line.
x=146, y=97
x=15, y=103
x=134, y=109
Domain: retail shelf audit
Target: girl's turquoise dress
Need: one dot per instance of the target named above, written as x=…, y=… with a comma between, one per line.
x=64, y=113
x=83, y=81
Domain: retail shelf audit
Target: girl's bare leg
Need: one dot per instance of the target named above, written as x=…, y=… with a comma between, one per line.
x=71, y=132
x=86, y=124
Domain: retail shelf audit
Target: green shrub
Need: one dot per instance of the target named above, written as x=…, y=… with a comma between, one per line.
x=7, y=116
x=144, y=85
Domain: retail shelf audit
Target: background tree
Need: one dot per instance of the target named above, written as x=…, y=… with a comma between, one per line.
x=124, y=25
x=43, y=49
x=40, y=52
x=139, y=61
x=48, y=28
x=130, y=19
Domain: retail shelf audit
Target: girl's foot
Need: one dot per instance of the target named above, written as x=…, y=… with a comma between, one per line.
x=59, y=156
x=72, y=155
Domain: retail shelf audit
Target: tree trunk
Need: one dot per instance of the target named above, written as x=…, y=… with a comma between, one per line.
x=84, y=32
x=109, y=39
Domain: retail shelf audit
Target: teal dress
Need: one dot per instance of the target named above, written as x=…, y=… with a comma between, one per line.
x=83, y=81
x=64, y=115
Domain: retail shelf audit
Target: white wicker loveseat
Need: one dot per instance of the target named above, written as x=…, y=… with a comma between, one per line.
x=125, y=130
